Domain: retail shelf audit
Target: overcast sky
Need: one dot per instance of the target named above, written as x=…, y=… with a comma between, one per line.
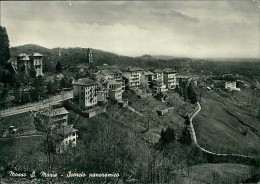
x=133, y=28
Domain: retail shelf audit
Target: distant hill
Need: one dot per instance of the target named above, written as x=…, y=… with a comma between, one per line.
x=164, y=57
x=72, y=56
x=146, y=56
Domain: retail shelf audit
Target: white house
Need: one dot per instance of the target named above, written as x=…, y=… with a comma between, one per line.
x=133, y=76
x=66, y=137
x=85, y=93
x=231, y=85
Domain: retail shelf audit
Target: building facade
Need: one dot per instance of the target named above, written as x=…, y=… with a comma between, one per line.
x=58, y=116
x=85, y=93
x=115, y=90
x=146, y=79
x=169, y=78
x=231, y=85
x=133, y=76
x=66, y=137
x=111, y=74
x=158, y=86
x=25, y=63
x=102, y=93
x=63, y=135
x=158, y=74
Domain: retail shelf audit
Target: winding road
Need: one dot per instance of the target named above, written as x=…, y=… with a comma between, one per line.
x=194, y=138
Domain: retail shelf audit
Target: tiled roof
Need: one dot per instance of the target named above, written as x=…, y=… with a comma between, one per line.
x=66, y=130
x=111, y=71
x=79, y=66
x=55, y=112
x=85, y=81
x=105, y=67
x=134, y=68
x=22, y=55
x=157, y=71
x=114, y=82
x=147, y=73
x=169, y=70
x=36, y=54
x=26, y=56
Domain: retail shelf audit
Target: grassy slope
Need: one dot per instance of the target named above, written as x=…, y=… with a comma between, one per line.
x=221, y=132
x=220, y=173
x=21, y=151
x=23, y=122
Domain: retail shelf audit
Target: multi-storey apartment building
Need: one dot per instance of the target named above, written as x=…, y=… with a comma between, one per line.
x=111, y=74
x=146, y=78
x=85, y=93
x=158, y=73
x=133, y=76
x=169, y=78
x=115, y=90
x=102, y=93
x=58, y=117
x=158, y=86
x=25, y=63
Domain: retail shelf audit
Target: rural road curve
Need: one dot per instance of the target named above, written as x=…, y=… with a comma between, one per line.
x=203, y=149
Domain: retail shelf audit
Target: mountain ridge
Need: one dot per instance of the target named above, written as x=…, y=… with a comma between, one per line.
x=77, y=55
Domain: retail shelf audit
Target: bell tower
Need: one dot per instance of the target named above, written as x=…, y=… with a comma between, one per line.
x=89, y=55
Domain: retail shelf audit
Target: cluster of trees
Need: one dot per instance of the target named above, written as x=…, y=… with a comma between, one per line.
x=187, y=90
x=6, y=73
x=24, y=87
x=103, y=148
x=169, y=135
x=36, y=89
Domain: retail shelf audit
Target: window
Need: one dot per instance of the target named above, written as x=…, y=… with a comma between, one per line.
x=74, y=140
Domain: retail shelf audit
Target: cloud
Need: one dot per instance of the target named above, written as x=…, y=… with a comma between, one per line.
x=181, y=28
x=174, y=15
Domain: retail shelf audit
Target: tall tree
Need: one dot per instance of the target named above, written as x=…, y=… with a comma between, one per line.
x=66, y=82
x=4, y=46
x=46, y=125
x=58, y=67
x=191, y=92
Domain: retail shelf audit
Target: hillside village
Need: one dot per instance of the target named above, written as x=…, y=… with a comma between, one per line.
x=129, y=92
x=156, y=104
